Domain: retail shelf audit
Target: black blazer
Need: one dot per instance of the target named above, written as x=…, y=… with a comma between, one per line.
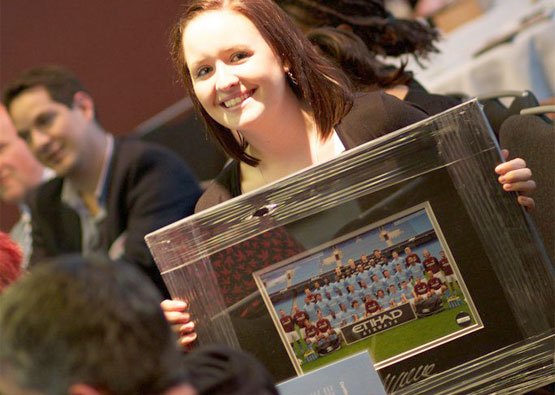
x=374, y=114
x=149, y=187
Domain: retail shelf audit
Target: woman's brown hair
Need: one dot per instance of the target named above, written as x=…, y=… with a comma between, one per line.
x=317, y=82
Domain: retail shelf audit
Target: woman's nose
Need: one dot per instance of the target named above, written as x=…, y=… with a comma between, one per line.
x=225, y=78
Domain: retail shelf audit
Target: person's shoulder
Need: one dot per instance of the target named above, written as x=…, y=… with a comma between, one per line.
x=45, y=191
x=430, y=102
x=220, y=189
x=375, y=114
x=45, y=200
x=133, y=148
x=132, y=153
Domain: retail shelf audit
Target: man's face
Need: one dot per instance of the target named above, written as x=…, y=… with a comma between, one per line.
x=19, y=170
x=55, y=133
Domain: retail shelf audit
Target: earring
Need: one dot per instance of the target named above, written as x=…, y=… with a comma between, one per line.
x=292, y=78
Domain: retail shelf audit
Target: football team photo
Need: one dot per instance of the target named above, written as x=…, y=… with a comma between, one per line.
x=392, y=288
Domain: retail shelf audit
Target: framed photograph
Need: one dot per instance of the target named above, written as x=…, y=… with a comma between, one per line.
x=430, y=186
x=369, y=289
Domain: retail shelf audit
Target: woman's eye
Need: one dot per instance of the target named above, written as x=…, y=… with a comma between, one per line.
x=203, y=71
x=239, y=56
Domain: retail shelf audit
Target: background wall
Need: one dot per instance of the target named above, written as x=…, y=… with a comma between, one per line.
x=117, y=47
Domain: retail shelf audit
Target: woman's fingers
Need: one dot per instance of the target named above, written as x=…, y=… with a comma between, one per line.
x=523, y=187
x=506, y=167
x=173, y=305
x=527, y=202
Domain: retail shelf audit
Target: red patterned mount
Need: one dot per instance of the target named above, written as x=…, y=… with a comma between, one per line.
x=234, y=265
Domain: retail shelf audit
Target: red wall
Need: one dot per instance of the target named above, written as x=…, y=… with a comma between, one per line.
x=117, y=47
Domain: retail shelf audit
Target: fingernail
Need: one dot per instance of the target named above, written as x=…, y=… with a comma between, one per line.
x=507, y=187
x=502, y=179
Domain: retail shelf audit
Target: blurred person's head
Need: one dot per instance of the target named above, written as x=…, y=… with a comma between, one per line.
x=53, y=112
x=347, y=51
x=86, y=326
x=382, y=33
x=19, y=170
x=10, y=261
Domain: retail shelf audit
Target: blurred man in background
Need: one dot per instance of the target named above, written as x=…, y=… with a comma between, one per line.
x=110, y=192
x=20, y=172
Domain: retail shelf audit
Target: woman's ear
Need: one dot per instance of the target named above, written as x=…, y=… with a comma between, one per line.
x=286, y=66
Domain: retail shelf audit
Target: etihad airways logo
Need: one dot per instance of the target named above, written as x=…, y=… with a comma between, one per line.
x=384, y=320
x=377, y=323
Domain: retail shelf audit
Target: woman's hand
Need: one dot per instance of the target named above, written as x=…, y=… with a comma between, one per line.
x=516, y=177
x=180, y=321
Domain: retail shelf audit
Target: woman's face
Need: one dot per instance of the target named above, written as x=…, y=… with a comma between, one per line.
x=236, y=76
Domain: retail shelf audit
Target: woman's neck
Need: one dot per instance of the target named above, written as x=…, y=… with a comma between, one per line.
x=289, y=147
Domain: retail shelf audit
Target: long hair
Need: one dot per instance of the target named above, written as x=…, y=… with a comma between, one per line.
x=347, y=51
x=382, y=33
x=319, y=84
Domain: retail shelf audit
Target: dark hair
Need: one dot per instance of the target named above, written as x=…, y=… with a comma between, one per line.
x=347, y=51
x=60, y=83
x=217, y=369
x=321, y=85
x=380, y=31
x=87, y=320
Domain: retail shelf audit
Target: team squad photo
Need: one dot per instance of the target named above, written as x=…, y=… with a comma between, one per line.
x=391, y=288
